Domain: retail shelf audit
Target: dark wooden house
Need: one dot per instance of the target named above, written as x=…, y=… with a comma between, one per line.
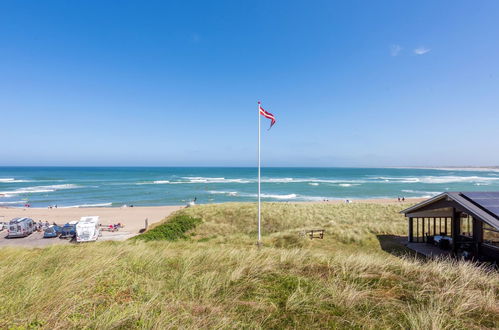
x=460, y=224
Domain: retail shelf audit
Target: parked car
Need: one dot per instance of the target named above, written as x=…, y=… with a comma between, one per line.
x=69, y=230
x=52, y=231
x=20, y=227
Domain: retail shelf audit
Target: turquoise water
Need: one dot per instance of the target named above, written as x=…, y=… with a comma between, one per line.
x=92, y=186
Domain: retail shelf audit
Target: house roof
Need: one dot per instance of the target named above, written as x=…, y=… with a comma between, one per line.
x=483, y=205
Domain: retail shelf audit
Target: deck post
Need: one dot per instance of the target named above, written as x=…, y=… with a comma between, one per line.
x=455, y=230
x=423, y=233
x=410, y=236
x=477, y=235
x=417, y=230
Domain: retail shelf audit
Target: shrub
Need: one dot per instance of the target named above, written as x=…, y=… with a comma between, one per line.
x=172, y=230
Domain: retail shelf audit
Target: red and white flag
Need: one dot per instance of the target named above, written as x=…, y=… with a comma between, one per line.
x=267, y=115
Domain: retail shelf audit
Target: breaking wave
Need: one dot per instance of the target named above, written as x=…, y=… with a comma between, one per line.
x=275, y=196
x=154, y=182
x=279, y=180
x=439, y=179
x=228, y=193
x=425, y=193
x=86, y=205
x=38, y=189
x=12, y=202
x=348, y=184
x=200, y=179
x=12, y=180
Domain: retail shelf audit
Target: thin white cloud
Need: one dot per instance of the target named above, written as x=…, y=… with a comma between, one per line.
x=395, y=50
x=421, y=50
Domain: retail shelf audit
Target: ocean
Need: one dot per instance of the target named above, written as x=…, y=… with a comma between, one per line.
x=146, y=186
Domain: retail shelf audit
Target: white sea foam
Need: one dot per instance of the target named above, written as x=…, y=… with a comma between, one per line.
x=280, y=180
x=12, y=202
x=208, y=180
x=348, y=184
x=199, y=179
x=269, y=196
x=454, y=179
x=288, y=197
x=438, y=179
x=313, y=180
x=398, y=179
x=313, y=198
x=11, y=180
x=425, y=193
x=264, y=180
x=304, y=180
x=465, y=169
x=335, y=181
x=86, y=205
x=154, y=182
x=228, y=193
x=275, y=196
x=38, y=189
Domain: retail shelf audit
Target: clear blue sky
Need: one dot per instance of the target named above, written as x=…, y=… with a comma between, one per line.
x=166, y=83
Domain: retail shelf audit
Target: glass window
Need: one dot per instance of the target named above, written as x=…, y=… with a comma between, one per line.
x=466, y=226
x=490, y=235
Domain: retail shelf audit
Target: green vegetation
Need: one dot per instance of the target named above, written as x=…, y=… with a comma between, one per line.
x=172, y=229
x=218, y=278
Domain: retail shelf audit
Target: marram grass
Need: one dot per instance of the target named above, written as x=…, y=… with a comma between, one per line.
x=218, y=278
x=171, y=230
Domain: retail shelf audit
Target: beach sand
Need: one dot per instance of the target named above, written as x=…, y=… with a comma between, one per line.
x=132, y=217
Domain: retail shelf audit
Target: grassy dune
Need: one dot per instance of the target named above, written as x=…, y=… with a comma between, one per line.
x=217, y=277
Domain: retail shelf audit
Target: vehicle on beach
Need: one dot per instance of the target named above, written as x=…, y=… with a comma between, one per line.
x=87, y=229
x=52, y=231
x=69, y=230
x=20, y=227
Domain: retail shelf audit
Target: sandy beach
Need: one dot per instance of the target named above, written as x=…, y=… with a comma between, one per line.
x=132, y=217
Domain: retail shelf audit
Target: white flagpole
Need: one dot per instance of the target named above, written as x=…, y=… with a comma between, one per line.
x=259, y=201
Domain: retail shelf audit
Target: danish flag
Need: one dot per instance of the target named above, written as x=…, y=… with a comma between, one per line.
x=267, y=115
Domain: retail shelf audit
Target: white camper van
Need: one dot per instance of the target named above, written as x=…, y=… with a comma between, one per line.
x=87, y=229
x=20, y=227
